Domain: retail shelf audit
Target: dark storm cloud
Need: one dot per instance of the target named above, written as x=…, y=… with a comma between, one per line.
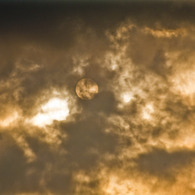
x=13, y=168
x=53, y=169
x=17, y=175
x=104, y=102
x=87, y=141
x=160, y=163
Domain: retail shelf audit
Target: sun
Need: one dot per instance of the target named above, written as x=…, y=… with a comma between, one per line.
x=86, y=89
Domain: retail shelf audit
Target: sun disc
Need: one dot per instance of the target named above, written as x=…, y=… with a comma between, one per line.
x=86, y=89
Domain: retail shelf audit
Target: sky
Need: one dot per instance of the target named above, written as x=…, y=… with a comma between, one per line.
x=135, y=136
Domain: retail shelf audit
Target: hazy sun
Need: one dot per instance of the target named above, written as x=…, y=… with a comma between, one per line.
x=86, y=89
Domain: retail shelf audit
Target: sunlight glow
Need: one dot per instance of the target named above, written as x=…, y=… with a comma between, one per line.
x=184, y=85
x=127, y=97
x=9, y=120
x=54, y=109
x=117, y=186
x=184, y=82
x=147, y=112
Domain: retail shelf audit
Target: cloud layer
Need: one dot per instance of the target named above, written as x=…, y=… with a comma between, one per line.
x=136, y=136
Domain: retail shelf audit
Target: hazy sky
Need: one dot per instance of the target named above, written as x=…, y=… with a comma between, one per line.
x=136, y=137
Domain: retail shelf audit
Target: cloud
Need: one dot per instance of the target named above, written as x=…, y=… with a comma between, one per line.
x=139, y=128
x=161, y=163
